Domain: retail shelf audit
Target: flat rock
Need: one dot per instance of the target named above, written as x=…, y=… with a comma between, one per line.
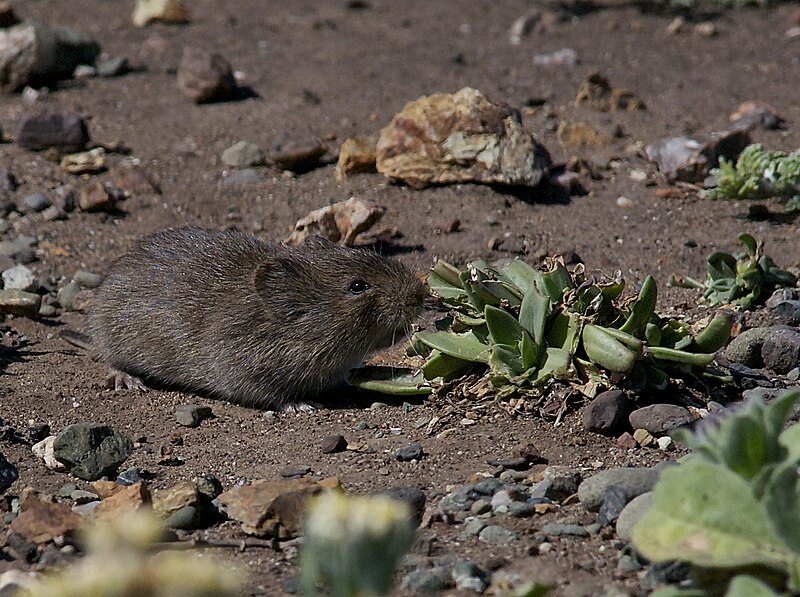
x=780, y=351
x=270, y=508
x=409, y=452
x=632, y=513
x=133, y=179
x=191, y=415
x=341, y=222
x=21, y=278
x=298, y=157
x=496, y=535
x=332, y=444
x=605, y=414
x=205, y=76
x=660, y=418
x=17, y=302
x=634, y=481
x=460, y=137
x=40, y=521
x=243, y=154
x=91, y=450
x=126, y=499
x=65, y=132
x=36, y=202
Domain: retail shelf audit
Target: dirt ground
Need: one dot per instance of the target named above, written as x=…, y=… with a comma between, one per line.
x=362, y=65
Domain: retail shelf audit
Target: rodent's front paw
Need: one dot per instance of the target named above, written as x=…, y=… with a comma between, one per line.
x=119, y=380
x=296, y=408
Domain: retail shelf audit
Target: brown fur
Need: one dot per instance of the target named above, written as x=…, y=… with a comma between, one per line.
x=259, y=324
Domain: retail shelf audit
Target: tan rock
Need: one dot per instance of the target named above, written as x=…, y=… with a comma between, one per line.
x=105, y=488
x=85, y=162
x=270, y=508
x=133, y=180
x=357, y=155
x=205, y=76
x=131, y=498
x=340, y=222
x=580, y=133
x=596, y=93
x=42, y=521
x=164, y=11
x=460, y=137
x=95, y=197
x=168, y=501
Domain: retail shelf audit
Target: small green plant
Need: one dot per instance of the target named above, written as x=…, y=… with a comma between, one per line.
x=741, y=279
x=352, y=545
x=732, y=508
x=529, y=327
x=758, y=174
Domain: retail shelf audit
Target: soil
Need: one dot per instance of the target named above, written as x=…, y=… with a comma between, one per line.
x=329, y=71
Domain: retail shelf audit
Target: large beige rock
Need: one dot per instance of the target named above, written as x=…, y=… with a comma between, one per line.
x=460, y=137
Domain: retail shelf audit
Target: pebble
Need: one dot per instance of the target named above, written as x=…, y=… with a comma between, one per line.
x=480, y=506
x=474, y=526
x=205, y=76
x=425, y=581
x=298, y=158
x=632, y=513
x=660, y=418
x=84, y=71
x=470, y=577
x=21, y=278
x=634, y=481
x=296, y=472
x=81, y=496
x=246, y=176
x=746, y=347
x=410, y=452
x=521, y=510
x=614, y=502
x=67, y=133
x=86, y=279
x=243, y=155
x=113, y=67
x=606, y=413
x=496, y=535
x=66, y=295
x=91, y=450
x=8, y=473
x=37, y=202
x=517, y=464
x=629, y=563
x=644, y=438
x=17, y=302
x=665, y=443
x=563, y=482
x=413, y=497
x=44, y=450
x=780, y=351
x=130, y=476
x=191, y=415
x=95, y=197
x=186, y=518
x=556, y=529
x=333, y=443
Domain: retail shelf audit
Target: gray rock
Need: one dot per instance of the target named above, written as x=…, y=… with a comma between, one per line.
x=332, y=444
x=66, y=295
x=468, y=576
x=634, y=481
x=632, y=513
x=17, y=302
x=781, y=295
x=409, y=452
x=130, y=476
x=563, y=482
x=19, y=277
x=37, y=202
x=606, y=413
x=205, y=76
x=243, y=155
x=86, y=509
x=689, y=160
x=746, y=347
x=614, y=502
x=65, y=132
x=781, y=350
x=425, y=581
x=474, y=526
x=660, y=418
x=8, y=473
x=557, y=529
x=79, y=496
x=91, y=450
x=186, y=518
x=521, y=510
x=496, y=535
x=113, y=67
x=84, y=71
x=413, y=497
x=787, y=312
x=86, y=279
x=480, y=506
x=191, y=415
x=246, y=176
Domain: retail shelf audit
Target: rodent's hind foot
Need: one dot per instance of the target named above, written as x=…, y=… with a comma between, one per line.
x=296, y=408
x=119, y=380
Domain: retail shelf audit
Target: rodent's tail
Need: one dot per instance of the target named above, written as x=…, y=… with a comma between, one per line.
x=76, y=339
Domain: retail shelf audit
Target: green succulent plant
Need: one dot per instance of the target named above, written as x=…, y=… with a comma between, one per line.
x=741, y=279
x=529, y=327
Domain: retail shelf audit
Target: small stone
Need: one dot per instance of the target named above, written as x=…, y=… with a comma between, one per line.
x=563, y=482
x=628, y=563
x=413, y=497
x=65, y=132
x=515, y=464
x=606, y=413
x=614, y=501
x=556, y=529
x=632, y=513
x=665, y=443
x=746, y=347
x=644, y=438
x=634, y=481
x=24, y=550
x=38, y=431
x=625, y=202
x=163, y=11
x=780, y=351
x=191, y=415
x=474, y=527
x=341, y=222
x=130, y=476
x=563, y=57
x=496, y=535
x=187, y=518
x=597, y=93
x=409, y=453
x=660, y=418
x=333, y=443
x=581, y=134
x=21, y=278
x=8, y=473
x=755, y=113
x=298, y=158
x=480, y=506
x=17, y=302
x=531, y=454
x=243, y=155
x=357, y=155
x=85, y=162
x=246, y=176
x=84, y=71
x=113, y=67
x=91, y=450
x=427, y=581
x=295, y=472
x=36, y=202
x=689, y=160
x=95, y=197
x=131, y=498
x=133, y=180
x=521, y=510
x=44, y=450
x=794, y=374
x=80, y=496
x=471, y=577
x=66, y=295
x=86, y=279
x=205, y=76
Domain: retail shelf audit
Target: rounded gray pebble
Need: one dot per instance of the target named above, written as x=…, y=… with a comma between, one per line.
x=410, y=452
x=86, y=279
x=186, y=518
x=37, y=202
x=191, y=415
x=632, y=513
x=634, y=481
x=496, y=535
x=780, y=351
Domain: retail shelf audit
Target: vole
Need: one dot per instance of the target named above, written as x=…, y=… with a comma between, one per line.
x=259, y=324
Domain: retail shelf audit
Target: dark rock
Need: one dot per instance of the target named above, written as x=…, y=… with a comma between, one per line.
x=95, y=197
x=91, y=450
x=781, y=351
x=24, y=549
x=17, y=302
x=746, y=347
x=531, y=453
x=410, y=452
x=205, y=76
x=562, y=482
x=67, y=133
x=515, y=464
x=333, y=443
x=298, y=158
x=755, y=113
x=186, y=518
x=690, y=160
x=606, y=413
x=660, y=418
x=37, y=202
x=131, y=476
x=556, y=529
x=38, y=431
x=668, y=572
x=296, y=472
x=191, y=415
x=614, y=500
x=8, y=473
x=425, y=581
x=412, y=496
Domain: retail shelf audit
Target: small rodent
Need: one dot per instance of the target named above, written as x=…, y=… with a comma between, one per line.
x=255, y=323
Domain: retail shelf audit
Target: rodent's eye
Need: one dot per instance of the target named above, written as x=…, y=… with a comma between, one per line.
x=358, y=286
